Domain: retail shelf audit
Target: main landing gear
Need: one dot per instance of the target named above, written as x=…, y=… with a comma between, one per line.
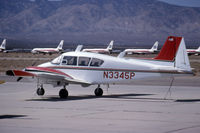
x=98, y=91
x=63, y=93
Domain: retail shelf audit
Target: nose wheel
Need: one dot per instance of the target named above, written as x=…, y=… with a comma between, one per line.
x=40, y=91
x=63, y=93
x=98, y=91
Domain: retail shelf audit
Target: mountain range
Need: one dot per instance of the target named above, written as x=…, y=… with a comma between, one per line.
x=98, y=21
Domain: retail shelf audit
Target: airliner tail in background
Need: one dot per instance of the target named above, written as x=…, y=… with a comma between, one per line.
x=3, y=45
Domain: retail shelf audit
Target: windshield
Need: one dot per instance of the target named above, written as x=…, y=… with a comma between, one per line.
x=56, y=60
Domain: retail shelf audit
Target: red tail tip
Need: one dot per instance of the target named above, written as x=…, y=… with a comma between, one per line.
x=169, y=49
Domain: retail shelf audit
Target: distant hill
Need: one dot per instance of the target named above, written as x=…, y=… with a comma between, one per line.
x=98, y=21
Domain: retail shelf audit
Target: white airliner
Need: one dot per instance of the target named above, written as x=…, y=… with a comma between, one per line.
x=87, y=68
x=107, y=50
x=143, y=51
x=48, y=50
x=3, y=46
x=193, y=51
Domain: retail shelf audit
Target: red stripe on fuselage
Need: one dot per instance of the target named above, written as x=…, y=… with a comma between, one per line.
x=45, y=69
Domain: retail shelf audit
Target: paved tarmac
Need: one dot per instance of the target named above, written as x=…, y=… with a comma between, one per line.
x=122, y=109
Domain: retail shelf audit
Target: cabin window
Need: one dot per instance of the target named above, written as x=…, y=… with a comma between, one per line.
x=96, y=62
x=83, y=61
x=57, y=60
x=69, y=60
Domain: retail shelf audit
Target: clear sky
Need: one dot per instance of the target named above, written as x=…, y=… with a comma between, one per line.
x=191, y=3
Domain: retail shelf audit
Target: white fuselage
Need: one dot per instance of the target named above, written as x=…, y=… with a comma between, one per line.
x=96, y=50
x=193, y=51
x=113, y=69
x=139, y=51
x=45, y=50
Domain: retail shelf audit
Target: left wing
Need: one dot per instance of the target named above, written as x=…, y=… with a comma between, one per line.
x=46, y=74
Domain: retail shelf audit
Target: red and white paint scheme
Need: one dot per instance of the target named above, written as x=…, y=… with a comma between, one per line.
x=87, y=68
x=154, y=49
x=49, y=50
x=108, y=50
x=193, y=51
x=3, y=46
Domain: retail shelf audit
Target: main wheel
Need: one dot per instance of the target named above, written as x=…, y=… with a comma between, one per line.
x=40, y=91
x=63, y=93
x=98, y=92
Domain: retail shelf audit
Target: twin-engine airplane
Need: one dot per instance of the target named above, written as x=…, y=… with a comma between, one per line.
x=154, y=49
x=108, y=50
x=3, y=46
x=48, y=50
x=87, y=69
x=193, y=51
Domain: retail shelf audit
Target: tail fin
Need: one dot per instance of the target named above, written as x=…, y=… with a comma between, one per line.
x=110, y=46
x=174, y=50
x=198, y=49
x=155, y=46
x=60, y=45
x=78, y=48
x=3, y=44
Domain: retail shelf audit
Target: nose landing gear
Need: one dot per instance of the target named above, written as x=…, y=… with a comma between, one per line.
x=40, y=91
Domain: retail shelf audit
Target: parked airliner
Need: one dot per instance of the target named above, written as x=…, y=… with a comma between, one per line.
x=87, y=68
x=48, y=50
x=193, y=51
x=107, y=50
x=143, y=51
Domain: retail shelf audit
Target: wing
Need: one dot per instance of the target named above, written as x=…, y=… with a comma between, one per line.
x=46, y=74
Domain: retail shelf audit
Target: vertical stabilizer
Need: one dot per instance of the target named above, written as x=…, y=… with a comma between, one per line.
x=169, y=49
x=60, y=45
x=3, y=45
x=174, y=50
x=198, y=50
x=155, y=46
x=110, y=46
x=181, y=59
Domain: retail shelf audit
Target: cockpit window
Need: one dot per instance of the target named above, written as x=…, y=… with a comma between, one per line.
x=96, y=62
x=57, y=60
x=83, y=61
x=69, y=60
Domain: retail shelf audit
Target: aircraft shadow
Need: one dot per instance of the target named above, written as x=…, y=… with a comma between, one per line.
x=84, y=97
x=187, y=100
x=11, y=116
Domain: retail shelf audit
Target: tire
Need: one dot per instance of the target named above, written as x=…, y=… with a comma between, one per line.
x=98, y=92
x=63, y=93
x=40, y=91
